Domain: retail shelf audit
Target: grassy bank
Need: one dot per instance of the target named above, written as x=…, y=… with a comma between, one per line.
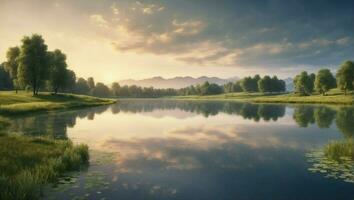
x=23, y=102
x=27, y=163
x=333, y=97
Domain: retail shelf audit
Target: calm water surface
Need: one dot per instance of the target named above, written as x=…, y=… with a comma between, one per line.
x=165, y=149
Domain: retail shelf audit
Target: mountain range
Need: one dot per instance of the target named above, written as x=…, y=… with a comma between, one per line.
x=185, y=81
x=176, y=82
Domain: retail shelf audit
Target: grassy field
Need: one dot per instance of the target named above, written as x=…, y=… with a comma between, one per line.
x=333, y=97
x=27, y=163
x=23, y=102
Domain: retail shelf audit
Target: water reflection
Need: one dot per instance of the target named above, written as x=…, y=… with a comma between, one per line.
x=53, y=124
x=167, y=149
x=56, y=124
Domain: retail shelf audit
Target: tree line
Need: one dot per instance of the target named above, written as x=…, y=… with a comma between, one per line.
x=306, y=84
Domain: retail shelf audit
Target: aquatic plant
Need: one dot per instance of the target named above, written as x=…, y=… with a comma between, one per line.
x=335, y=160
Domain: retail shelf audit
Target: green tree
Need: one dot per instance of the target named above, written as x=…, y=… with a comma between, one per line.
x=304, y=83
x=82, y=86
x=237, y=87
x=33, y=62
x=70, y=80
x=210, y=88
x=265, y=84
x=5, y=80
x=58, y=70
x=250, y=84
x=115, y=89
x=91, y=83
x=277, y=85
x=345, y=76
x=101, y=90
x=324, y=81
x=11, y=65
x=228, y=87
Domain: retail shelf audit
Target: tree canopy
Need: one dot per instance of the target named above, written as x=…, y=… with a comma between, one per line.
x=33, y=62
x=58, y=70
x=345, y=76
x=324, y=81
x=304, y=83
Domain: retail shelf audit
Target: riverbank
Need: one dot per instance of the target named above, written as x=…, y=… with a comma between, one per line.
x=23, y=102
x=28, y=163
x=331, y=98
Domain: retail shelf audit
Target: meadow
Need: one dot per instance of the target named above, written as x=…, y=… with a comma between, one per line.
x=333, y=97
x=24, y=102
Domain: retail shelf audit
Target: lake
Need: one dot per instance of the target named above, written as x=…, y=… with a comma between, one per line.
x=175, y=149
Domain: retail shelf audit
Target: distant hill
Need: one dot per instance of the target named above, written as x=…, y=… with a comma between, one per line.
x=176, y=82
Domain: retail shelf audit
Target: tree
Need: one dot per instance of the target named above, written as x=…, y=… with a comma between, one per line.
x=91, y=83
x=33, y=62
x=228, y=87
x=304, y=83
x=70, y=80
x=5, y=80
x=324, y=81
x=82, y=86
x=250, y=84
x=115, y=89
x=237, y=87
x=100, y=90
x=265, y=84
x=58, y=71
x=210, y=88
x=277, y=85
x=11, y=65
x=345, y=76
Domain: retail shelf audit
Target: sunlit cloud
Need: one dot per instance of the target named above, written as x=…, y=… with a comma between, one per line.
x=242, y=36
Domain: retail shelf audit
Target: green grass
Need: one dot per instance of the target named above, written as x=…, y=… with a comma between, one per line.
x=333, y=97
x=23, y=102
x=27, y=163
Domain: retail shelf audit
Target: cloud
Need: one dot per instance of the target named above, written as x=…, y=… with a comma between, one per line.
x=239, y=35
x=148, y=9
x=99, y=20
x=191, y=27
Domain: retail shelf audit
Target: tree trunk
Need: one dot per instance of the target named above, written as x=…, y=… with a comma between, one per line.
x=345, y=91
x=56, y=91
x=16, y=90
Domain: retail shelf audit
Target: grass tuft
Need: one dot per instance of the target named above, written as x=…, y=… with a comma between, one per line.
x=28, y=163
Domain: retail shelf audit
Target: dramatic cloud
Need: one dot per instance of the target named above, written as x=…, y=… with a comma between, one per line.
x=237, y=36
x=236, y=33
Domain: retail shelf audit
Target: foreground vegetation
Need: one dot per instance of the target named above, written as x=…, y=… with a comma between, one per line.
x=27, y=163
x=23, y=102
x=333, y=97
x=335, y=160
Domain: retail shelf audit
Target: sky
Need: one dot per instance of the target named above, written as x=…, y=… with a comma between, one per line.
x=112, y=40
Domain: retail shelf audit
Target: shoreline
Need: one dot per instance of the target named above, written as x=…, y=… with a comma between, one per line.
x=23, y=103
x=333, y=99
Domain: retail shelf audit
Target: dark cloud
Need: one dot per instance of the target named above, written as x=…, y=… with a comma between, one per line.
x=241, y=33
